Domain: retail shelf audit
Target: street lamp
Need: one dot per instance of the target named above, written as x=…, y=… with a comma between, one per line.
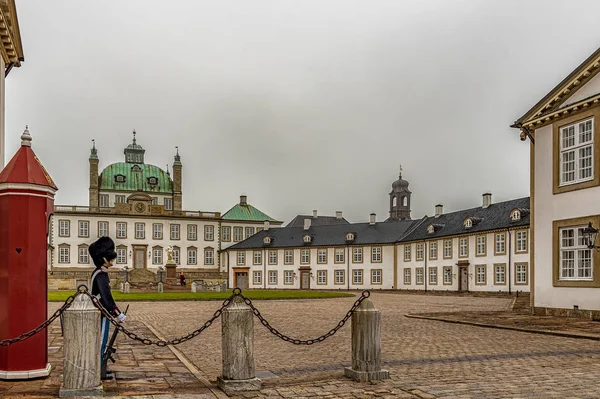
x=161, y=273
x=126, y=269
x=590, y=235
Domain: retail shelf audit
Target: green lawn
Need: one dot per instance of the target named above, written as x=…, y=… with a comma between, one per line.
x=61, y=296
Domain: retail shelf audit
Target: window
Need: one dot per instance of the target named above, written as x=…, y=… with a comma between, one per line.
x=321, y=277
x=433, y=252
x=447, y=249
x=521, y=241
x=175, y=232
x=515, y=215
x=272, y=257
x=576, y=152
x=339, y=255
x=500, y=274
x=376, y=276
x=249, y=232
x=448, y=275
x=356, y=255
x=157, y=231
x=140, y=230
x=463, y=245
x=122, y=255
x=209, y=233
x=238, y=234
x=64, y=254
x=241, y=258
x=272, y=277
x=64, y=228
x=407, y=252
x=340, y=276
x=288, y=277
x=120, y=178
x=192, y=255
x=480, y=275
x=430, y=229
x=257, y=258
x=176, y=255
x=419, y=251
x=305, y=256
x=84, y=256
x=321, y=256
x=575, y=257
x=350, y=237
x=209, y=256
x=169, y=204
x=102, y=229
x=226, y=232
x=119, y=199
x=103, y=200
x=357, y=276
x=376, y=254
x=307, y=238
x=481, y=250
x=500, y=244
x=407, y=277
x=154, y=201
x=192, y=232
x=520, y=273
x=121, y=230
x=419, y=276
x=84, y=228
x=257, y=277
x=433, y=275
x=468, y=223
x=157, y=255
x=289, y=256
x=152, y=181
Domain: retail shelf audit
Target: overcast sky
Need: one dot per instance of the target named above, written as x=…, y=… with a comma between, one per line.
x=301, y=105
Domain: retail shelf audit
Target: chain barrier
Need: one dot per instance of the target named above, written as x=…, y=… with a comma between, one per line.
x=365, y=294
x=29, y=334
x=83, y=290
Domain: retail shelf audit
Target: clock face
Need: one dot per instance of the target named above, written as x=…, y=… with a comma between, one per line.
x=140, y=207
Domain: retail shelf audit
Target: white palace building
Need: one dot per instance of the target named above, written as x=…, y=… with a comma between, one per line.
x=139, y=205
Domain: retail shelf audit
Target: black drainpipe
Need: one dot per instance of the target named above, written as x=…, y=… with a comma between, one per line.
x=348, y=266
x=425, y=272
x=509, y=257
x=265, y=269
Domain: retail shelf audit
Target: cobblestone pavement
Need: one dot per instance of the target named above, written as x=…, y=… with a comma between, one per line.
x=426, y=359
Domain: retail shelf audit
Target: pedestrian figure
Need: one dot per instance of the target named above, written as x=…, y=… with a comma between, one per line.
x=182, y=279
x=103, y=254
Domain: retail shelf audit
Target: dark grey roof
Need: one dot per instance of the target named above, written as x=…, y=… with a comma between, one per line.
x=298, y=221
x=379, y=233
x=494, y=217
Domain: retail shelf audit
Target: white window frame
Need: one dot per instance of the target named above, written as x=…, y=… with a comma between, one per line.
x=192, y=256
x=249, y=232
x=500, y=271
x=121, y=256
x=578, y=255
x=321, y=256
x=176, y=255
x=340, y=255
x=321, y=277
x=376, y=254
x=157, y=231
x=192, y=232
x=288, y=277
x=357, y=255
x=433, y=252
x=480, y=278
x=103, y=229
x=419, y=275
x=481, y=245
x=64, y=228
x=209, y=232
x=84, y=255
x=447, y=270
x=140, y=230
x=226, y=230
x=407, y=253
x=465, y=241
x=175, y=231
x=168, y=204
x=272, y=257
x=120, y=199
x=257, y=257
x=257, y=277
x=574, y=149
x=64, y=254
x=272, y=277
x=241, y=258
x=433, y=275
x=157, y=256
x=376, y=275
x=305, y=256
x=521, y=273
x=84, y=228
x=209, y=256
x=419, y=251
x=339, y=276
x=103, y=201
x=289, y=257
x=238, y=234
x=448, y=248
x=521, y=241
x=500, y=243
x=357, y=276
x=121, y=229
x=407, y=277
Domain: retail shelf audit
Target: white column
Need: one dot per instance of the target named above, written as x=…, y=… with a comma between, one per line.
x=2, y=108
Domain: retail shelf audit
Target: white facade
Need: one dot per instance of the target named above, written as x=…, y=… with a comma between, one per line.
x=486, y=261
x=342, y=267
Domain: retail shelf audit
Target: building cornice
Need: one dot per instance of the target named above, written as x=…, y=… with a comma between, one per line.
x=564, y=112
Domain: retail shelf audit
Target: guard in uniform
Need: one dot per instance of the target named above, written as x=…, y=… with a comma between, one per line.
x=103, y=254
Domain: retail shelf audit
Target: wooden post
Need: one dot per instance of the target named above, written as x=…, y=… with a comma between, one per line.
x=81, y=367
x=237, y=325
x=366, y=344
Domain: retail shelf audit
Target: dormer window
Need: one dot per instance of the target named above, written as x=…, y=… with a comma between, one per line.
x=153, y=181
x=468, y=223
x=267, y=240
x=430, y=229
x=515, y=215
x=307, y=239
x=136, y=169
x=350, y=237
x=120, y=178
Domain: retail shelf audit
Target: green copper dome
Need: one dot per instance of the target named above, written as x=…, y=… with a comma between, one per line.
x=124, y=176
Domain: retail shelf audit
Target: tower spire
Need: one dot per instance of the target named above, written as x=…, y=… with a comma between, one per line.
x=177, y=157
x=400, y=171
x=94, y=151
x=134, y=136
x=26, y=137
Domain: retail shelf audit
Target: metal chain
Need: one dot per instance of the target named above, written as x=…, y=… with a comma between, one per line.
x=148, y=341
x=295, y=341
x=42, y=326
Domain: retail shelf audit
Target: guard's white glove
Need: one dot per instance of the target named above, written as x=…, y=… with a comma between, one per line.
x=122, y=317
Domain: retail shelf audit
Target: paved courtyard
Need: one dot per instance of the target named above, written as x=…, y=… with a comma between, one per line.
x=426, y=359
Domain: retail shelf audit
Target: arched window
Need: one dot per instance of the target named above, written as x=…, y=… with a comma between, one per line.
x=395, y=201
x=404, y=201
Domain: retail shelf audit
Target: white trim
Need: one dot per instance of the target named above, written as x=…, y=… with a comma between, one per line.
x=18, y=375
x=27, y=186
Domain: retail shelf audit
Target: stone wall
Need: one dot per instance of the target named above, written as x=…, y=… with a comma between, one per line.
x=575, y=313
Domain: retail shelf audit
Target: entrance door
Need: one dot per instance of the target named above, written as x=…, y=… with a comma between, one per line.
x=139, y=258
x=464, y=279
x=242, y=280
x=305, y=280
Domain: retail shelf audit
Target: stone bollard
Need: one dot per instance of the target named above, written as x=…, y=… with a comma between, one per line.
x=81, y=367
x=122, y=287
x=160, y=287
x=126, y=287
x=366, y=344
x=237, y=324
x=194, y=286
